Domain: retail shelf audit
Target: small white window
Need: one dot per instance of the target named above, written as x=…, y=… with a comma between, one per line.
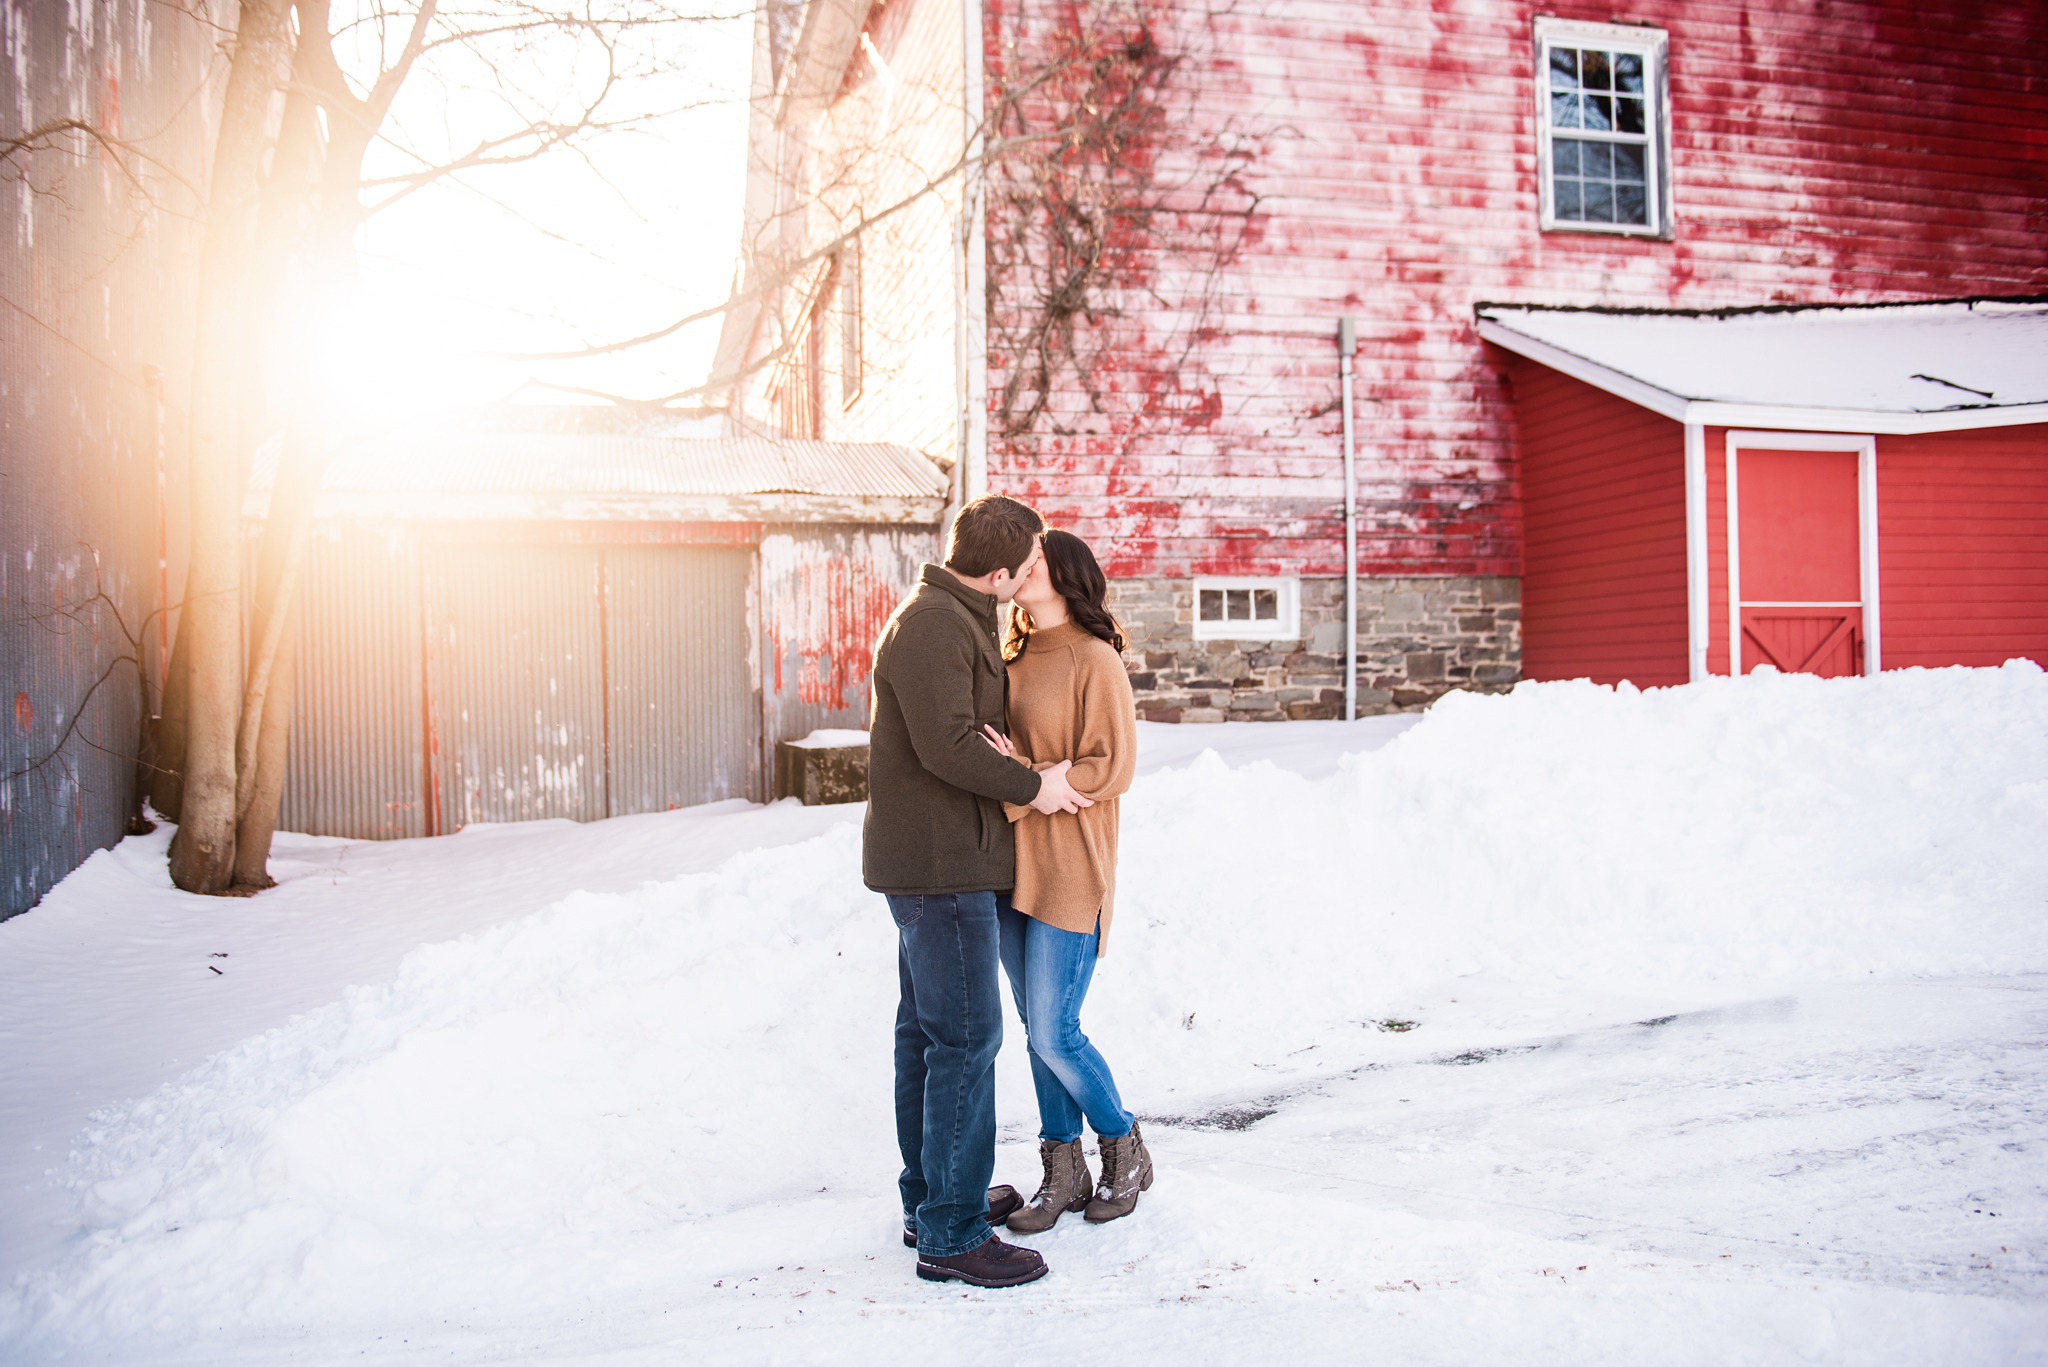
x=1603, y=142
x=1247, y=609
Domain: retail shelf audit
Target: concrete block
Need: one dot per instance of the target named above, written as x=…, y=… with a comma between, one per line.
x=821, y=775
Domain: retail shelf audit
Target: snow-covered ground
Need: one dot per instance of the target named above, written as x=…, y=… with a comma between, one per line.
x=1727, y=1046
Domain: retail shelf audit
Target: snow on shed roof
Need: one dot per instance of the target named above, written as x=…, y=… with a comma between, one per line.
x=578, y=476
x=1892, y=368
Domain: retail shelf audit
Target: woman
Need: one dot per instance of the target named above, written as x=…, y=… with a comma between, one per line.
x=1069, y=700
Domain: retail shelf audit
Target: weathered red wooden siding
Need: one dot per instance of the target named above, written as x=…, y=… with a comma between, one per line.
x=1603, y=525
x=1962, y=544
x=1835, y=151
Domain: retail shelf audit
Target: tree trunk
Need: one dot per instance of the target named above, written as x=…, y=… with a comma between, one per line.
x=167, y=752
x=210, y=627
x=267, y=704
x=264, y=734
x=259, y=822
x=328, y=251
x=265, y=726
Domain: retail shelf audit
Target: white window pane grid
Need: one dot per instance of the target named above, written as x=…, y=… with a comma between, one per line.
x=1601, y=128
x=1254, y=608
x=1602, y=176
x=1241, y=605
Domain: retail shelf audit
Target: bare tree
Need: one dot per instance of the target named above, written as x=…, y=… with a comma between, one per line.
x=209, y=632
x=222, y=746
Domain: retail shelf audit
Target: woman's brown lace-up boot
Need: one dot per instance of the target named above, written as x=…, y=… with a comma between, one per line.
x=1126, y=1171
x=1065, y=1187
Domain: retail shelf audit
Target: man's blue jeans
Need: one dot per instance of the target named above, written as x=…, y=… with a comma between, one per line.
x=949, y=1025
x=1050, y=970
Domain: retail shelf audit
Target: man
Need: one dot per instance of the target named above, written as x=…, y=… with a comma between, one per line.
x=937, y=844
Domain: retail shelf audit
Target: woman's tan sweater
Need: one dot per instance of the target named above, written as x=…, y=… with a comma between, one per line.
x=1071, y=699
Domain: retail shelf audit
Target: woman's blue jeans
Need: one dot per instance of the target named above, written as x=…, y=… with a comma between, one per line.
x=1049, y=971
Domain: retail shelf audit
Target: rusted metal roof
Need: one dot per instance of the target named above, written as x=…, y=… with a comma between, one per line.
x=587, y=476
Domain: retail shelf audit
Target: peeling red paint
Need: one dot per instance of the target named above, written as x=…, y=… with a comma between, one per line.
x=825, y=594
x=833, y=648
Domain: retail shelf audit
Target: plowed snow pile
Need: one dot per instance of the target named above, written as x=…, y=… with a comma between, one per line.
x=548, y=1110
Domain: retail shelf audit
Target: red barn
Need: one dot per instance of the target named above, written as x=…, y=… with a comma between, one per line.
x=1096, y=254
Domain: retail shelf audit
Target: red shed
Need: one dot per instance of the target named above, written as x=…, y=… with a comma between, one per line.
x=1838, y=490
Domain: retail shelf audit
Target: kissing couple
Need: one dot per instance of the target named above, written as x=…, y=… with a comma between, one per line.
x=997, y=752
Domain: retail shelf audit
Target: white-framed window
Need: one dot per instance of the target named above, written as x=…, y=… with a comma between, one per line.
x=1603, y=142
x=1247, y=608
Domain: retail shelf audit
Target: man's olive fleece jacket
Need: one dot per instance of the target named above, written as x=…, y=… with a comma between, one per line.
x=936, y=788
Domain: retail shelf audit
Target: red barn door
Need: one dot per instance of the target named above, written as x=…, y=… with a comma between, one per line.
x=1799, y=560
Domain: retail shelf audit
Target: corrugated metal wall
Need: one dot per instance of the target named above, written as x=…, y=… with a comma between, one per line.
x=94, y=300
x=357, y=764
x=442, y=685
x=683, y=709
x=515, y=683
x=825, y=593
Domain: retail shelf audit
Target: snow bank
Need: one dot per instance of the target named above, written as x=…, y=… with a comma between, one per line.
x=579, y=1089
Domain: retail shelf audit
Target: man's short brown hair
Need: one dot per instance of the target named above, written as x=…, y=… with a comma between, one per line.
x=992, y=533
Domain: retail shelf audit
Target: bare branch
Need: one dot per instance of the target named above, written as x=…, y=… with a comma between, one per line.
x=710, y=386
x=46, y=134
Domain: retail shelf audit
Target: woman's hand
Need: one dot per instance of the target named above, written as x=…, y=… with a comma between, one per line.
x=999, y=742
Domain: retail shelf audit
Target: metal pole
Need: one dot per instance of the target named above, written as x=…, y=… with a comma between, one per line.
x=1347, y=342
x=973, y=278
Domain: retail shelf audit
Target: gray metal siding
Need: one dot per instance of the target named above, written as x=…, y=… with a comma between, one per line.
x=684, y=719
x=94, y=287
x=448, y=684
x=356, y=767
x=515, y=681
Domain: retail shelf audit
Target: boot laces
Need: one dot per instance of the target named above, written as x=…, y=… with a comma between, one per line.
x=1112, y=1162
x=1049, y=1183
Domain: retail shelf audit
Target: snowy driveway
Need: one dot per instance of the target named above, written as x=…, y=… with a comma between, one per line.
x=1728, y=1046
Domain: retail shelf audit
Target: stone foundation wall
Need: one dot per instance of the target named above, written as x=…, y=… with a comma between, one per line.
x=1417, y=640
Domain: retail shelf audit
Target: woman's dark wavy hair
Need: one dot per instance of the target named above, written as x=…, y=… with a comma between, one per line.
x=1079, y=580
